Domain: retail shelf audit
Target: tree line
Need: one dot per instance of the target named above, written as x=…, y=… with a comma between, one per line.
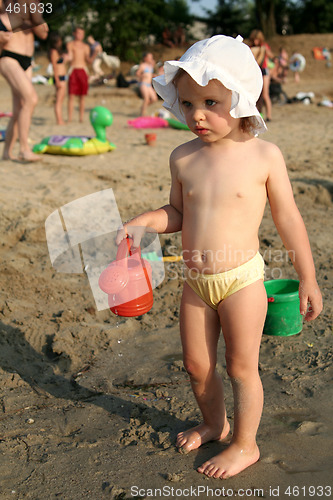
x=125, y=26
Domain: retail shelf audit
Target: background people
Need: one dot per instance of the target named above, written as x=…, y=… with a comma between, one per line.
x=5, y=28
x=79, y=55
x=58, y=59
x=262, y=53
x=15, y=66
x=145, y=74
x=96, y=51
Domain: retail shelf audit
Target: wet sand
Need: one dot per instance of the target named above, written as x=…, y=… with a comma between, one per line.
x=91, y=403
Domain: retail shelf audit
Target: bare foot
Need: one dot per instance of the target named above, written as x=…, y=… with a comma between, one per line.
x=29, y=156
x=195, y=437
x=7, y=156
x=230, y=462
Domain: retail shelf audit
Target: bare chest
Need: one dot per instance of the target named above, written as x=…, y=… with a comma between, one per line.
x=220, y=185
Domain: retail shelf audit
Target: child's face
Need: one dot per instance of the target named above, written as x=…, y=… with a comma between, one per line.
x=207, y=109
x=149, y=59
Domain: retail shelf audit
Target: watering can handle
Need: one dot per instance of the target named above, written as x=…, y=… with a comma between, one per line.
x=124, y=249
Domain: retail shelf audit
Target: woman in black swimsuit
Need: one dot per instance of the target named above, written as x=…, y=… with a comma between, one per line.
x=58, y=59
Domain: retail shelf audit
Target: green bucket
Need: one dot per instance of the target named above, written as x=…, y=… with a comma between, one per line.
x=283, y=315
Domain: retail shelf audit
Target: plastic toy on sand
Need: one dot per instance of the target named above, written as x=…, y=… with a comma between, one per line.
x=150, y=139
x=128, y=282
x=283, y=314
x=148, y=122
x=173, y=123
x=4, y=114
x=100, y=118
x=297, y=63
x=156, y=122
x=153, y=256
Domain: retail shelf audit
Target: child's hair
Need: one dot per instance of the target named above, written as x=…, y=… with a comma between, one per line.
x=257, y=34
x=54, y=38
x=145, y=54
x=247, y=123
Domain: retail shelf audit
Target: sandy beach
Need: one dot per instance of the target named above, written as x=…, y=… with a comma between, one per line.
x=91, y=403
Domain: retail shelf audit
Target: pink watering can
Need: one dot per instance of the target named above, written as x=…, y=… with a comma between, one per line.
x=128, y=282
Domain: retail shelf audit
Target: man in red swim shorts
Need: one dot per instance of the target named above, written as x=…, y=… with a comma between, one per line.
x=78, y=80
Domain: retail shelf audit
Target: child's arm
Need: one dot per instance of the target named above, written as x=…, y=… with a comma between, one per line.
x=70, y=52
x=291, y=228
x=167, y=219
x=89, y=59
x=139, y=71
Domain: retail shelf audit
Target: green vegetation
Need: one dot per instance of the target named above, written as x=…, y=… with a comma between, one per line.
x=125, y=27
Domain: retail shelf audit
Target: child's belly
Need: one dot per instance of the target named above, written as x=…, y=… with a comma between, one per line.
x=215, y=244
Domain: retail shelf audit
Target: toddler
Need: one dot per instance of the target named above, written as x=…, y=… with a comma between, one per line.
x=220, y=181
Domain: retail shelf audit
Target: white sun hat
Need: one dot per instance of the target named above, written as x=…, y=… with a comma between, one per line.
x=221, y=58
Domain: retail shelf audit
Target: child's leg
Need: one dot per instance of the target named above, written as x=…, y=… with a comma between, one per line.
x=12, y=129
x=70, y=106
x=81, y=108
x=242, y=318
x=200, y=331
x=152, y=96
x=145, y=96
x=60, y=95
x=266, y=97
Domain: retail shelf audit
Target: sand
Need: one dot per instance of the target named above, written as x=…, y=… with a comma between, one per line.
x=91, y=403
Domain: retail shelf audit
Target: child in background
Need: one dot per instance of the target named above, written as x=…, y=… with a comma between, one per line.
x=58, y=59
x=220, y=182
x=145, y=75
x=283, y=63
x=96, y=50
x=257, y=41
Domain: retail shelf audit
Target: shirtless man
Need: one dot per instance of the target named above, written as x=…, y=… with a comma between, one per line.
x=15, y=66
x=79, y=54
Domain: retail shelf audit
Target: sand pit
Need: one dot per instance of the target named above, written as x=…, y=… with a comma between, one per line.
x=91, y=403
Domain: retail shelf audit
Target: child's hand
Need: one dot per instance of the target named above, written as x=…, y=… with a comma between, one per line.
x=309, y=293
x=134, y=232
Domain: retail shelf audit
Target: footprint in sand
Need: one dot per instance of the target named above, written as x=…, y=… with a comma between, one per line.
x=311, y=428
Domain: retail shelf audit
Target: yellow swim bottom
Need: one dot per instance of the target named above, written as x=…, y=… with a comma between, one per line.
x=213, y=288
